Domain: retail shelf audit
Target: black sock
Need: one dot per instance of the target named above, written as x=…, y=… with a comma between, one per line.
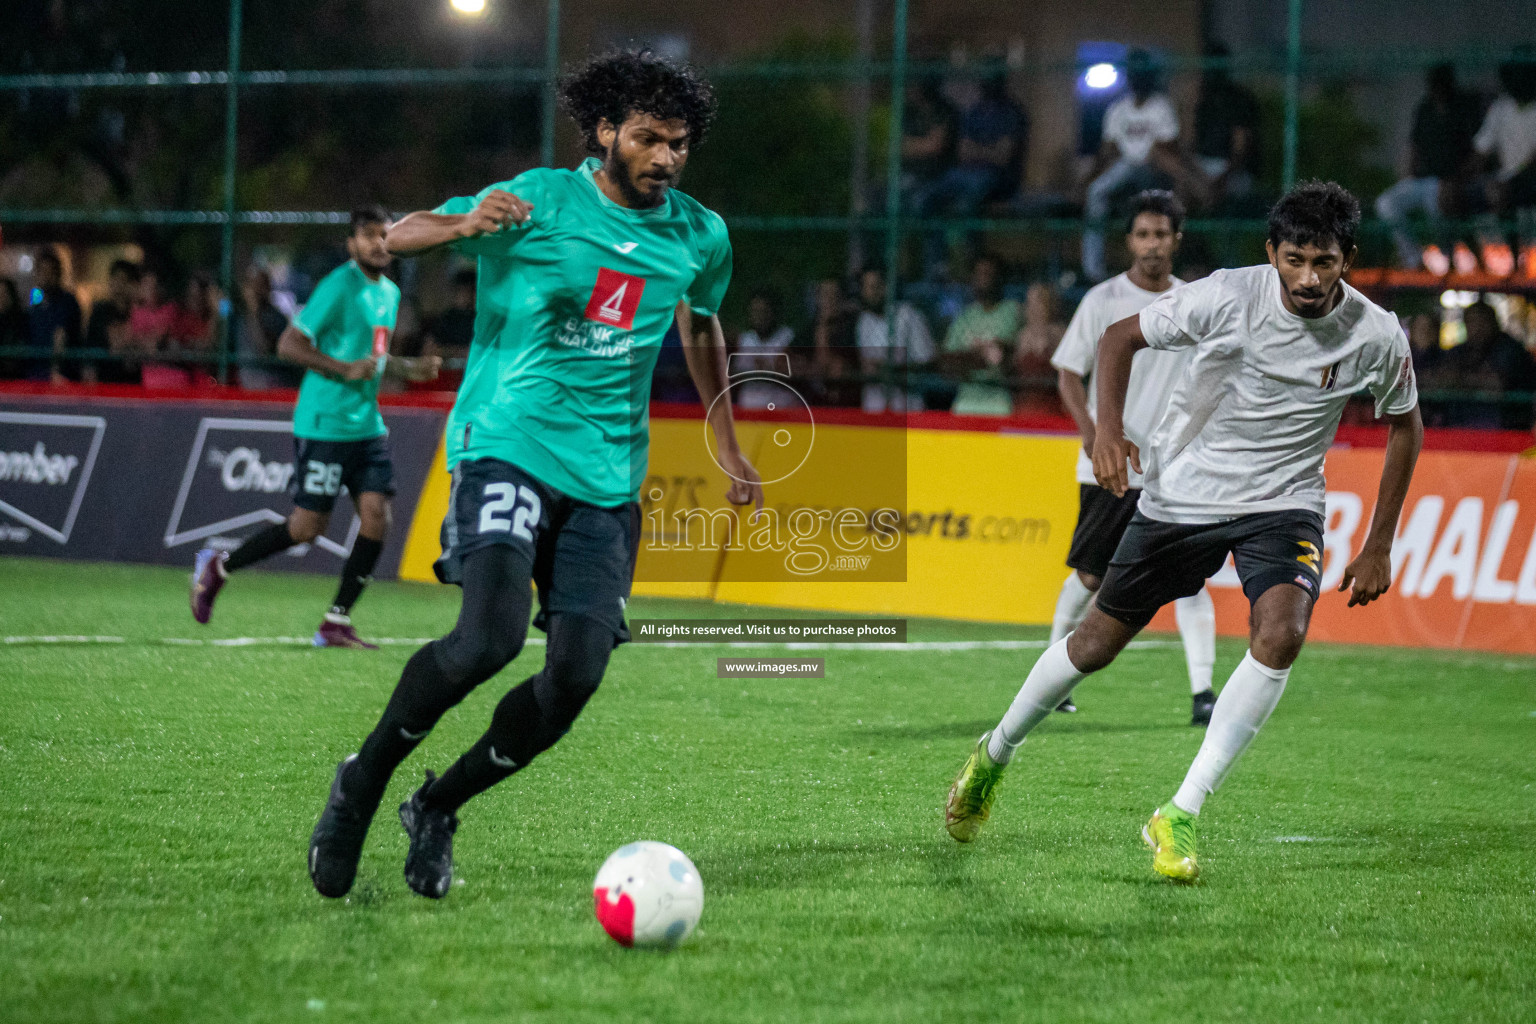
x=356, y=573
x=493, y=622
x=260, y=545
x=419, y=700
x=533, y=716
x=507, y=745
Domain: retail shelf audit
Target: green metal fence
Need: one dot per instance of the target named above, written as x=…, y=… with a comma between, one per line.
x=894, y=71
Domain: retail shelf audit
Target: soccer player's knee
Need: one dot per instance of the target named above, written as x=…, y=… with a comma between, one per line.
x=475, y=656
x=1090, y=581
x=577, y=657
x=305, y=526
x=1276, y=640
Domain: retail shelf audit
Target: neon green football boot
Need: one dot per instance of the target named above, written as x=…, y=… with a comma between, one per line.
x=970, y=798
x=1171, y=835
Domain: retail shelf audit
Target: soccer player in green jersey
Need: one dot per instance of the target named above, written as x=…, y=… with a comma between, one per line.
x=581, y=274
x=341, y=337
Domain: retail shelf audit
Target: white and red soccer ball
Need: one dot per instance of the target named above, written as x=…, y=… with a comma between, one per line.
x=649, y=895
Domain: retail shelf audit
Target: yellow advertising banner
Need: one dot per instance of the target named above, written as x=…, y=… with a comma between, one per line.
x=950, y=524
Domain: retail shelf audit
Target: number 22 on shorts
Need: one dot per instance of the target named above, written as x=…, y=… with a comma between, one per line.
x=522, y=502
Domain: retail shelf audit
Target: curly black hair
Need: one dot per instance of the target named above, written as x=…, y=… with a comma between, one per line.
x=619, y=83
x=1316, y=213
x=1156, y=200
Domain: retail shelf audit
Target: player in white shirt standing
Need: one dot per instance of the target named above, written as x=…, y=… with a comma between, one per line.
x=1152, y=234
x=1234, y=467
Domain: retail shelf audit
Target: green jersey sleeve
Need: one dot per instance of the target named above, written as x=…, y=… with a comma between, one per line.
x=322, y=309
x=708, y=289
x=526, y=186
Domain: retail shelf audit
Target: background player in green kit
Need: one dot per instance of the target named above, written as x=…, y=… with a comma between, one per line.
x=341, y=337
x=581, y=274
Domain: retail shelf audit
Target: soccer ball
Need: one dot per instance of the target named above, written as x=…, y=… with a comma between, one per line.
x=648, y=894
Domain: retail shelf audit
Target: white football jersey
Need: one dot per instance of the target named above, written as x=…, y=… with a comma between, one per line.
x=1251, y=420
x=1153, y=374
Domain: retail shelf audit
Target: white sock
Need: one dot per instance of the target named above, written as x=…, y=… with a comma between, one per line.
x=1049, y=681
x=1243, y=707
x=1071, y=607
x=1196, y=617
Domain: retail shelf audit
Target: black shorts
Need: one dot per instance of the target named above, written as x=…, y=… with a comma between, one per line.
x=1160, y=562
x=583, y=556
x=322, y=468
x=1101, y=522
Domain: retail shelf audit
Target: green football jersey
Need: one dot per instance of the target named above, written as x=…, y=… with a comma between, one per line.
x=571, y=309
x=348, y=317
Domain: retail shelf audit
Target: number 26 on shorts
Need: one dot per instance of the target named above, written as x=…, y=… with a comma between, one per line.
x=500, y=499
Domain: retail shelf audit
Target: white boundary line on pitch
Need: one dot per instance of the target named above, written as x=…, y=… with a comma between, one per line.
x=402, y=641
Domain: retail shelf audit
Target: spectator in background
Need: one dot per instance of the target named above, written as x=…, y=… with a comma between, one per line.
x=927, y=139
x=1439, y=151
x=1042, y=331
x=905, y=344
x=979, y=345
x=833, y=346
x=53, y=320
x=989, y=161
x=149, y=330
x=108, y=328
x=1226, y=134
x=1513, y=371
x=196, y=327
x=1507, y=139
x=1483, y=369
x=259, y=326
x=14, y=332
x=1140, y=130
x=763, y=348
x=451, y=331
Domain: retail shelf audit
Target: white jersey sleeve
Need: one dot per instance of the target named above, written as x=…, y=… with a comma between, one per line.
x=1080, y=344
x=1393, y=384
x=1186, y=316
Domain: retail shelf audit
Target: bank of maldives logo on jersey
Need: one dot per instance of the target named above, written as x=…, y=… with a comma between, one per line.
x=615, y=299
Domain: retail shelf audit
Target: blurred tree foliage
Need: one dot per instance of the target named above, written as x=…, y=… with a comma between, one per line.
x=780, y=148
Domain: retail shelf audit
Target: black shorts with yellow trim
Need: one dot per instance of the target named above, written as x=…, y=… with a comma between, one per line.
x=1158, y=563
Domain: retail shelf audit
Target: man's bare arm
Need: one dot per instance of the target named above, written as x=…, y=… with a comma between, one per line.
x=705, y=352
x=1121, y=341
x=1370, y=574
x=296, y=347
x=418, y=232
x=1074, y=395
x=419, y=370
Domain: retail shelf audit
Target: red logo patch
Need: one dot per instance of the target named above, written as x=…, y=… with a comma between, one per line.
x=616, y=916
x=615, y=299
x=381, y=341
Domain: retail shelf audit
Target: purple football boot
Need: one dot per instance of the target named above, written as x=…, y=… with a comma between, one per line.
x=207, y=580
x=334, y=633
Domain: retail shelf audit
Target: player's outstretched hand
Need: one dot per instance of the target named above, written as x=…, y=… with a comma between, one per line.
x=498, y=209
x=361, y=369
x=1109, y=455
x=1367, y=577
x=746, y=486
x=426, y=368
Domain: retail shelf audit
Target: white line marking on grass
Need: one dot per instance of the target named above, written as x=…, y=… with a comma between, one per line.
x=1300, y=839
x=414, y=641
x=64, y=640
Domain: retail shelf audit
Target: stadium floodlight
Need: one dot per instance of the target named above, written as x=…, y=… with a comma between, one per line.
x=1101, y=76
x=471, y=7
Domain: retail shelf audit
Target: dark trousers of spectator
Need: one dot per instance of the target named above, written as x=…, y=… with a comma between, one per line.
x=958, y=192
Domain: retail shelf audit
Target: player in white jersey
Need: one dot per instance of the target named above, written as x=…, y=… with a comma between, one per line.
x=1234, y=467
x=1152, y=234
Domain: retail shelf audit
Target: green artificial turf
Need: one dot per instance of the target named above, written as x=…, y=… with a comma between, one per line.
x=1373, y=858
